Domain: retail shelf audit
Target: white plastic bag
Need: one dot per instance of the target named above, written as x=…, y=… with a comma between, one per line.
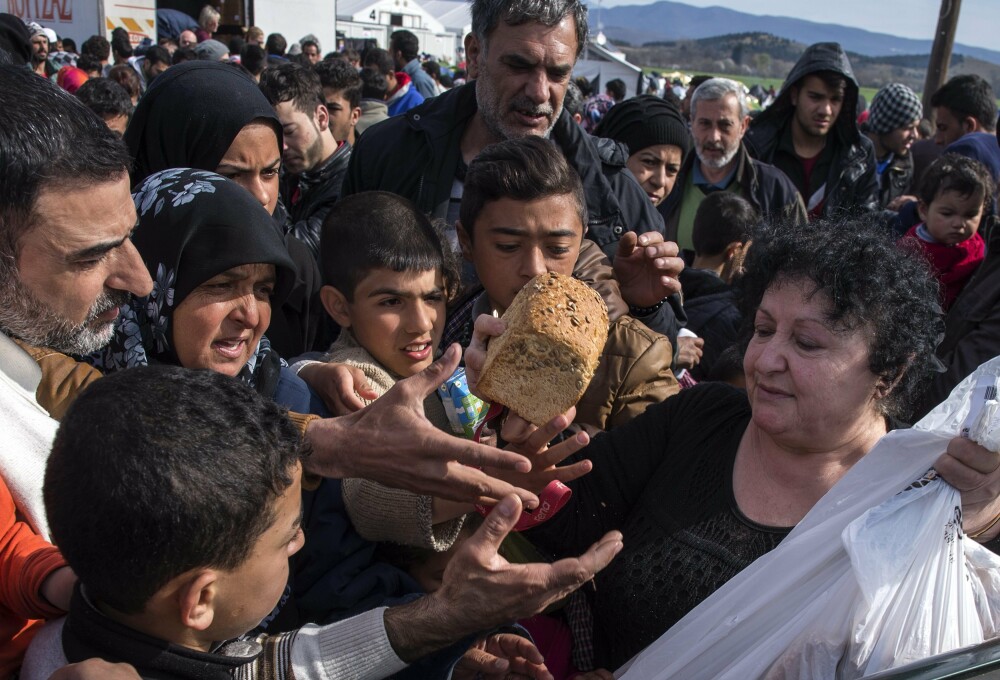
x=910, y=586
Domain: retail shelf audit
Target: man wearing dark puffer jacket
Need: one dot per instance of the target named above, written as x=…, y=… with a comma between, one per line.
x=810, y=134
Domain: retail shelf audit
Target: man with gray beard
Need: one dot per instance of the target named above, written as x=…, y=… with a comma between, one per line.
x=719, y=119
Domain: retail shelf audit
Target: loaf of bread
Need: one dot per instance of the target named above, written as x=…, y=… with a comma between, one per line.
x=541, y=365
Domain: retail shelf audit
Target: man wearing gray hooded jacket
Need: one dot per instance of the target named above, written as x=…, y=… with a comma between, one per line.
x=811, y=135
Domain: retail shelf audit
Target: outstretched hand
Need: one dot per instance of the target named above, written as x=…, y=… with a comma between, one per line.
x=647, y=268
x=502, y=656
x=392, y=442
x=481, y=590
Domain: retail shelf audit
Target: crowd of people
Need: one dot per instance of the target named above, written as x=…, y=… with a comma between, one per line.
x=243, y=288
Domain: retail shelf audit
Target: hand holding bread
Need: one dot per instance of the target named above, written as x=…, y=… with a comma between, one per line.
x=542, y=364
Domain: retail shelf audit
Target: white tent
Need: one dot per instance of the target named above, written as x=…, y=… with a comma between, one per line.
x=598, y=62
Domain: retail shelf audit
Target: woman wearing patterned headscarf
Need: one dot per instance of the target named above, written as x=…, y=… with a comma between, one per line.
x=218, y=267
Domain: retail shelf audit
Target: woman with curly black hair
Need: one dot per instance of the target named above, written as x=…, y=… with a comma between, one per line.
x=839, y=334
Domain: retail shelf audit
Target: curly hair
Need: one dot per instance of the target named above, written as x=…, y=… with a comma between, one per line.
x=870, y=282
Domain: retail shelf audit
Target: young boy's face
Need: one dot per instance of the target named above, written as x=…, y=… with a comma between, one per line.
x=515, y=241
x=952, y=217
x=247, y=594
x=399, y=317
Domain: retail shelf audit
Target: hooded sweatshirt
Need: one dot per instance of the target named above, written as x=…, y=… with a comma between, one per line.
x=849, y=185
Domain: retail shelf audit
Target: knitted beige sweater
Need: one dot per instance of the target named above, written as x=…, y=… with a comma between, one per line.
x=381, y=513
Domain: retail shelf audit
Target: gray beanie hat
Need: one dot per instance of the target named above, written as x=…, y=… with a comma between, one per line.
x=211, y=50
x=894, y=106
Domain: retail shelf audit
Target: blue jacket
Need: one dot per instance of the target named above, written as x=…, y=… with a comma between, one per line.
x=423, y=82
x=409, y=100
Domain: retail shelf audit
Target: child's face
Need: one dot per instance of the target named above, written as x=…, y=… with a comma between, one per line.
x=399, y=317
x=952, y=217
x=245, y=595
x=515, y=241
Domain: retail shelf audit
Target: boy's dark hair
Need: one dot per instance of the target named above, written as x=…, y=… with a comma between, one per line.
x=253, y=58
x=380, y=230
x=433, y=69
x=96, y=46
x=187, y=478
x=295, y=83
x=105, y=97
x=380, y=59
x=351, y=54
x=696, y=81
x=89, y=64
x=520, y=169
x=339, y=75
x=446, y=81
x=728, y=366
x=309, y=43
x=276, y=44
x=157, y=55
x=373, y=84
x=120, y=42
x=586, y=87
x=334, y=56
x=616, y=88
x=182, y=54
x=722, y=218
x=125, y=75
x=69, y=45
x=953, y=172
x=406, y=43
x=969, y=95
x=236, y=44
x=48, y=138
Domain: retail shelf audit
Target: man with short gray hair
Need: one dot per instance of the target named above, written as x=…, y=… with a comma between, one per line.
x=719, y=119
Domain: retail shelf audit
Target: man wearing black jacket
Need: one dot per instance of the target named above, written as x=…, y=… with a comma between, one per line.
x=519, y=85
x=313, y=161
x=810, y=134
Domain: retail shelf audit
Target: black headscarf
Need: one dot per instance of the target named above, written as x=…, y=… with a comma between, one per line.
x=190, y=116
x=194, y=225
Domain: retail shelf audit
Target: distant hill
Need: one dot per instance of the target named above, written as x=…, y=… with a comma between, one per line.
x=667, y=20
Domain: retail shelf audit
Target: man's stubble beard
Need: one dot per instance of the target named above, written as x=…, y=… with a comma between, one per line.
x=25, y=317
x=488, y=102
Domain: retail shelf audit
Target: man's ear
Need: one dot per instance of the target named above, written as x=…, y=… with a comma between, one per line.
x=336, y=305
x=970, y=124
x=196, y=598
x=355, y=115
x=464, y=241
x=473, y=50
x=322, y=118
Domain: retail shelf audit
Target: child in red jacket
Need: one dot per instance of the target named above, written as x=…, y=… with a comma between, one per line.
x=953, y=194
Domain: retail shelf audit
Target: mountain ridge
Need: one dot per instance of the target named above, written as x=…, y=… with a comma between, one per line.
x=679, y=21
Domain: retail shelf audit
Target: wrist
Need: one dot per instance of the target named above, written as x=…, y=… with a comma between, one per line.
x=639, y=312
x=421, y=627
x=325, y=438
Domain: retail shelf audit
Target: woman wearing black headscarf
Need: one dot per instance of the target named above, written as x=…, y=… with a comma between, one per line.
x=212, y=116
x=217, y=268
x=657, y=140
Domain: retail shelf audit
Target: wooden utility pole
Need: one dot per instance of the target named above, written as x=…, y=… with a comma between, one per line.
x=944, y=41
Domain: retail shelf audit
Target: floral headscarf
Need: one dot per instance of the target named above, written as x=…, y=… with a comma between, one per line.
x=194, y=225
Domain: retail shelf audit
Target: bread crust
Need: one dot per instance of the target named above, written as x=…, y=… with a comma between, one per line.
x=556, y=329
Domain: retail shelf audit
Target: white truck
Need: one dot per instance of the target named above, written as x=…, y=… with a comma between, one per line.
x=80, y=19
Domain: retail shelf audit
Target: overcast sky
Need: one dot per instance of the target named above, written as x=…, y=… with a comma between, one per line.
x=977, y=23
